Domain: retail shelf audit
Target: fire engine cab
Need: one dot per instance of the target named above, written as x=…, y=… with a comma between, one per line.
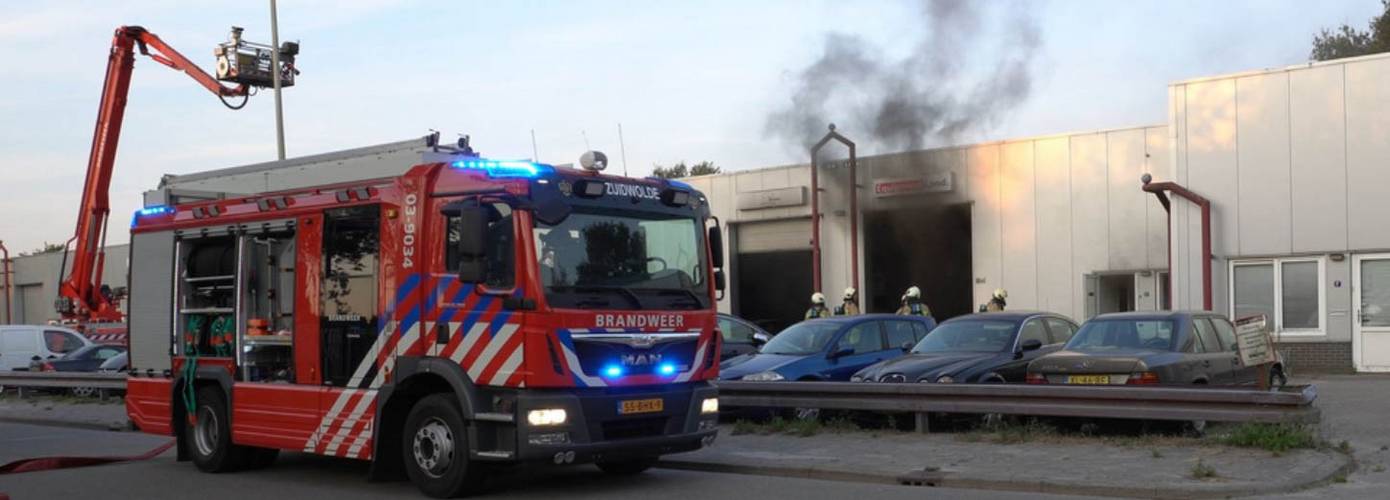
x=468, y=314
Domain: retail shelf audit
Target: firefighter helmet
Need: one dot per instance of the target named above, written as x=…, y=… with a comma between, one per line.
x=913, y=292
x=1001, y=294
x=817, y=298
x=850, y=292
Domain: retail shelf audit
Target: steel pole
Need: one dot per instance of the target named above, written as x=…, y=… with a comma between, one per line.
x=5, y=257
x=275, y=81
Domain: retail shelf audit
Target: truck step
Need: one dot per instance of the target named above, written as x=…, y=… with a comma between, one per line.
x=495, y=455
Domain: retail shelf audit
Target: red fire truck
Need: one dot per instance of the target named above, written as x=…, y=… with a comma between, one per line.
x=466, y=315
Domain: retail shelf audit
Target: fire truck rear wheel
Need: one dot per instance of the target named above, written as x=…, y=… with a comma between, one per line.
x=627, y=467
x=435, y=445
x=210, y=438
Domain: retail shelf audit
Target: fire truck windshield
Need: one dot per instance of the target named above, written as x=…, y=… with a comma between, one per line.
x=600, y=260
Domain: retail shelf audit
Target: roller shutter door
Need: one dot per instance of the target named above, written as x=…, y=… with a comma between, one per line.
x=774, y=236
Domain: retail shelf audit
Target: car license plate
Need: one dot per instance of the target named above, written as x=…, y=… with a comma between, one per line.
x=641, y=406
x=1089, y=379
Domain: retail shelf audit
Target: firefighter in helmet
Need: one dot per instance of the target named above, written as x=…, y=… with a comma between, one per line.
x=996, y=302
x=818, y=309
x=912, y=303
x=850, y=307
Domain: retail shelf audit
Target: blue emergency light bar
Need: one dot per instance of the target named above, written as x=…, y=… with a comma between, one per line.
x=505, y=168
x=150, y=211
x=613, y=371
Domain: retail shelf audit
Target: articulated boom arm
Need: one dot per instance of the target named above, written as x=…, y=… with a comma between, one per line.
x=80, y=295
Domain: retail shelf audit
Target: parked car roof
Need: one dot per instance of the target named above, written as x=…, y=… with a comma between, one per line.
x=1155, y=314
x=1003, y=315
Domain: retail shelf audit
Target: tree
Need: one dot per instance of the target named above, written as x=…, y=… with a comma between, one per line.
x=1347, y=41
x=680, y=169
x=47, y=247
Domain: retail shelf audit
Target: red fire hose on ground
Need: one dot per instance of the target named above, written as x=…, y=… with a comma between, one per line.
x=50, y=463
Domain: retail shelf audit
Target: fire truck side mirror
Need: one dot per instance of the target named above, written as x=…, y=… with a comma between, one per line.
x=716, y=247
x=472, y=245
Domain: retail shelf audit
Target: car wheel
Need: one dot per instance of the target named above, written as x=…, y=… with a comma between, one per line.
x=435, y=444
x=83, y=392
x=209, y=435
x=627, y=467
x=1277, y=379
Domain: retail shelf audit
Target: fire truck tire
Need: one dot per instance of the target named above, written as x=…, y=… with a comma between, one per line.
x=628, y=467
x=210, y=439
x=435, y=444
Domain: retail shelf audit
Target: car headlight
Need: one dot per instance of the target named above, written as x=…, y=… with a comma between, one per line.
x=893, y=378
x=945, y=379
x=768, y=376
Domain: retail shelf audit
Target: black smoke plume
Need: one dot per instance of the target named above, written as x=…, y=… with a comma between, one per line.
x=961, y=76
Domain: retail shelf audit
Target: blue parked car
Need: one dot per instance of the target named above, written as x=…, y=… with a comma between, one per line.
x=830, y=349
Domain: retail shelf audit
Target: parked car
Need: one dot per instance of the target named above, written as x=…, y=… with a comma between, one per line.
x=993, y=347
x=740, y=336
x=86, y=359
x=830, y=348
x=117, y=363
x=1164, y=347
x=22, y=344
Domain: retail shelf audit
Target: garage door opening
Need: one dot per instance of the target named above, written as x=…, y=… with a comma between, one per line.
x=774, y=288
x=924, y=246
x=1108, y=293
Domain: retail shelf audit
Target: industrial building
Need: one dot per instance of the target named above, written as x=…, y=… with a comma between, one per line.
x=1295, y=163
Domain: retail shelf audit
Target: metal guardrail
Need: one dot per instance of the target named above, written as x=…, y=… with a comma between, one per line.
x=63, y=380
x=1292, y=404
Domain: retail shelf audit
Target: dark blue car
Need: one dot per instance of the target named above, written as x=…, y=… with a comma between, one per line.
x=829, y=349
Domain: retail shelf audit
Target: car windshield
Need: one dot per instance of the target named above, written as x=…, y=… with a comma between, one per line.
x=969, y=336
x=83, y=353
x=808, y=337
x=1119, y=334
x=627, y=261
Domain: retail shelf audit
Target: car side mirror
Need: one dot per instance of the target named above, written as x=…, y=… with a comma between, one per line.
x=472, y=245
x=841, y=352
x=906, y=347
x=759, y=339
x=1030, y=345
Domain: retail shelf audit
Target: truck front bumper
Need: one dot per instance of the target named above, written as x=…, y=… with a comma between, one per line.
x=596, y=428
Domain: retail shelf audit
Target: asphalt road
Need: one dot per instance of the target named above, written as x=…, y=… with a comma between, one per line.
x=299, y=475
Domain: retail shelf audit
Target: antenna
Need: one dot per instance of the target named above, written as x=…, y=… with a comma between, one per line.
x=586, y=140
x=622, y=148
x=535, y=153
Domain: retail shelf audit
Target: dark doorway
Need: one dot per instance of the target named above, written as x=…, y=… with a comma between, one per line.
x=774, y=288
x=924, y=246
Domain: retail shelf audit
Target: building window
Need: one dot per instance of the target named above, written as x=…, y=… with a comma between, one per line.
x=1289, y=292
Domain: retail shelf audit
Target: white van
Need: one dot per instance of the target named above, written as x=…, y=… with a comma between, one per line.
x=21, y=344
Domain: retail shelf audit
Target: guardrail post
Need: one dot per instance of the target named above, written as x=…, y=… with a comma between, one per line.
x=922, y=422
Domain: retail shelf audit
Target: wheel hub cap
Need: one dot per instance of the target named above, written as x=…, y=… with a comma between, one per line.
x=433, y=447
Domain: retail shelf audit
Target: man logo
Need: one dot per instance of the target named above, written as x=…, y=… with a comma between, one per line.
x=640, y=359
x=642, y=341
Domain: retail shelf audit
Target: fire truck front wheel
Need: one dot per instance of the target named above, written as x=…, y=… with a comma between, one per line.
x=435, y=444
x=209, y=437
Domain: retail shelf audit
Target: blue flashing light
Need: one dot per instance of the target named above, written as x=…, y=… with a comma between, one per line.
x=612, y=371
x=680, y=184
x=150, y=211
x=504, y=168
x=666, y=369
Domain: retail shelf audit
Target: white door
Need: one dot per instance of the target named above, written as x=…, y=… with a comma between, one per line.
x=1371, y=307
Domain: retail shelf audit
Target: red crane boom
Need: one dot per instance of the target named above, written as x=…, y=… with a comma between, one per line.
x=81, y=296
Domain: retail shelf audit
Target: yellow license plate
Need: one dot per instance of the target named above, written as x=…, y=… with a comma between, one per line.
x=1089, y=379
x=641, y=406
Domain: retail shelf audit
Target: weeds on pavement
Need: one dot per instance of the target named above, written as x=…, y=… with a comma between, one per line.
x=1276, y=438
x=795, y=427
x=1201, y=470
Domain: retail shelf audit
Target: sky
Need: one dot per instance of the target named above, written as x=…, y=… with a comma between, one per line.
x=688, y=81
